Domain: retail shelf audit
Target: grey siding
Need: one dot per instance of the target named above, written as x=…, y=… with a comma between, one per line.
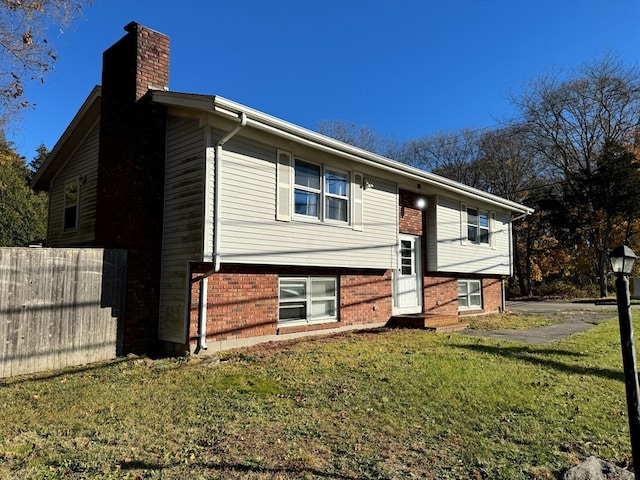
x=250, y=232
x=82, y=166
x=452, y=254
x=183, y=222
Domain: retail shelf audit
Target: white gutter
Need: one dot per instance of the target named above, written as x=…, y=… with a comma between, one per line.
x=298, y=134
x=204, y=283
x=283, y=129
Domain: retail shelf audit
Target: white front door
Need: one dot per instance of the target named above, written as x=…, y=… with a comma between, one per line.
x=408, y=276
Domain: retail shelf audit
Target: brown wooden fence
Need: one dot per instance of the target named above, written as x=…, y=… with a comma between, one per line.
x=59, y=307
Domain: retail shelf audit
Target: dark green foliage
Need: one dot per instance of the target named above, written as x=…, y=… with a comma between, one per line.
x=23, y=212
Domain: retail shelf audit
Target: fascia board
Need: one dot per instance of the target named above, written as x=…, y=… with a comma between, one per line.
x=87, y=116
x=222, y=106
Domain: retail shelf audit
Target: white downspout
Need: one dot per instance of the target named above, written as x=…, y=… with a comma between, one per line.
x=204, y=283
x=216, y=190
x=202, y=334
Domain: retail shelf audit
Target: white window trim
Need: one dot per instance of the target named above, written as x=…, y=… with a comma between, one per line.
x=469, y=306
x=326, y=195
x=464, y=226
x=309, y=299
x=322, y=193
x=316, y=191
x=285, y=193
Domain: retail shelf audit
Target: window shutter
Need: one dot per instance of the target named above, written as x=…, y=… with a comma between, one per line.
x=463, y=224
x=356, y=201
x=284, y=186
x=492, y=229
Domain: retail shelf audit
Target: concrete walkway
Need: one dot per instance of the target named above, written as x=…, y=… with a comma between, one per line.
x=575, y=317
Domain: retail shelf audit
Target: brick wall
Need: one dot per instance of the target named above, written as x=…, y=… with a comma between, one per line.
x=410, y=216
x=243, y=300
x=492, y=295
x=365, y=298
x=131, y=173
x=441, y=295
x=241, y=303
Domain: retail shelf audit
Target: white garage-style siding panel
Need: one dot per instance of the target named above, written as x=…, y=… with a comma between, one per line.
x=456, y=255
x=82, y=166
x=250, y=233
x=182, y=229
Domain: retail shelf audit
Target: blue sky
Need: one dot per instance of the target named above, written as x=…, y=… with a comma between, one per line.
x=404, y=68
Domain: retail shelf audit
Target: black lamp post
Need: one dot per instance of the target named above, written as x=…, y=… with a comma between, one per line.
x=622, y=259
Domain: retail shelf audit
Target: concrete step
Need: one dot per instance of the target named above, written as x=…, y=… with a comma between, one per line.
x=428, y=321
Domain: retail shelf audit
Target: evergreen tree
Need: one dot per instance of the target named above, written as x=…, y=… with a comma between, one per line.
x=23, y=212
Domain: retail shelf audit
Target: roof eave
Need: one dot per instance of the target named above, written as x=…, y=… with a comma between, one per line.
x=222, y=106
x=86, y=116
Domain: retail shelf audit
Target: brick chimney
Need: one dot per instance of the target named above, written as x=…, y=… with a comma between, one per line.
x=129, y=210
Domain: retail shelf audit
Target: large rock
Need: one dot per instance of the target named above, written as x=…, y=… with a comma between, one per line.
x=595, y=469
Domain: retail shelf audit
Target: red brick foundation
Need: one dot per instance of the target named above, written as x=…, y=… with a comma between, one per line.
x=242, y=301
x=441, y=295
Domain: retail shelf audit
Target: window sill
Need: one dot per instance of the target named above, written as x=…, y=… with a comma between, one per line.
x=294, y=327
x=470, y=311
x=317, y=221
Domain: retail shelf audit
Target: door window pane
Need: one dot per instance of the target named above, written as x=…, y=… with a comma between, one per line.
x=406, y=257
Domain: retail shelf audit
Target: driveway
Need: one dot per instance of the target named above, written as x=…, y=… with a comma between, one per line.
x=574, y=317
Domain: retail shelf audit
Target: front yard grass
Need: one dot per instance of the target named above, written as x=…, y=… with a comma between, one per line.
x=382, y=404
x=509, y=321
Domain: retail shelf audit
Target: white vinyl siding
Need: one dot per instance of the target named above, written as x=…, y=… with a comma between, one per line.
x=252, y=235
x=183, y=222
x=82, y=168
x=449, y=250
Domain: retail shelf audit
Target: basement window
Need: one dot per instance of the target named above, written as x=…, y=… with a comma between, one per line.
x=469, y=295
x=307, y=300
x=71, y=191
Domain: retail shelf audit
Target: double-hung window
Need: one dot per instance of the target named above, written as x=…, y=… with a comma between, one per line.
x=70, y=219
x=307, y=300
x=320, y=193
x=307, y=189
x=336, y=196
x=469, y=295
x=477, y=226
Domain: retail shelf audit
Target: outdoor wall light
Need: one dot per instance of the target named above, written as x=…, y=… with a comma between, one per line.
x=622, y=259
x=421, y=203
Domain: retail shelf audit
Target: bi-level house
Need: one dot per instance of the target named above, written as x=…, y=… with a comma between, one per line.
x=241, y=225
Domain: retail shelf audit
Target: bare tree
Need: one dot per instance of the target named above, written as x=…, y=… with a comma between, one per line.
x=452, y=155
x=573, y=124
x=359, y=136
x=25, y=52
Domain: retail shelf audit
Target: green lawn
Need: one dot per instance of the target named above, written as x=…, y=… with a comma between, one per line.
x=387, y=404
